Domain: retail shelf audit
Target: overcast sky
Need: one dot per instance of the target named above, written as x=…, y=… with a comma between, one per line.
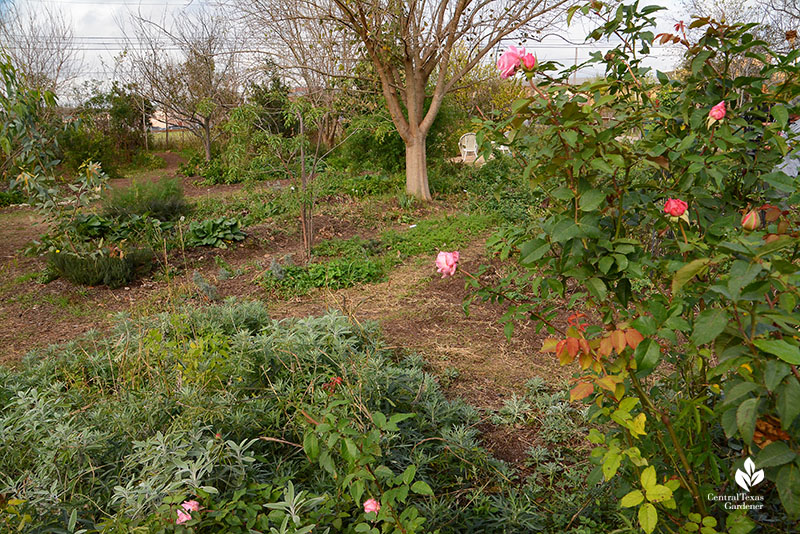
x=97, y=31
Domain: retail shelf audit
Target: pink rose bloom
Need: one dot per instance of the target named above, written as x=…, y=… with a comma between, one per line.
x=509, y=61
x=183, y=517
x=529, y=61
x=718, y=111
x=191, y=506
x=371, y=505
x=675, y=207
x=446, y=263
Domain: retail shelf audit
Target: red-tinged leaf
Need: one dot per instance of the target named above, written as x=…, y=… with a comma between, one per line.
x=633, y=337
x=605, y=347
x=581, y=391
x=584, y=346
x=618, y=340
x=573, y=346
x=665, y=37
x=661, y=161
x=550, y=345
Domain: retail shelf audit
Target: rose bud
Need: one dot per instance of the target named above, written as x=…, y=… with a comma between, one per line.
x=751, y=220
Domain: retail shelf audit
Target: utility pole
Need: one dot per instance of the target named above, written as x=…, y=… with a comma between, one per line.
x=575, y=74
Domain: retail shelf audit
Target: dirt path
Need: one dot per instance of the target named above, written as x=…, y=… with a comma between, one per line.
x=420, y=312
x=192, y=187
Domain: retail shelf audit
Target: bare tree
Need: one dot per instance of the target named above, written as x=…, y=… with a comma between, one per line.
x=782, y=18
x=779, y=20
x=410, y=45
x=189, y=67
x=41, y=44
x=314, y=57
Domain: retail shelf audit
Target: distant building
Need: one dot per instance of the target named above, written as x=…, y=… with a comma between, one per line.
x=158, y=121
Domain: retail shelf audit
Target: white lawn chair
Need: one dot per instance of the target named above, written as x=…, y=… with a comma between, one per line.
x=468, y=145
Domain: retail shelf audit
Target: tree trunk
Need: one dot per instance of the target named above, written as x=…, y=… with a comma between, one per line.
x=207, y=140
x=417, y=168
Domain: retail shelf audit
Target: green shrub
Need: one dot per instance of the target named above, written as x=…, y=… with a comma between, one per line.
x=123, y=428
x=355, y=247
x=100, y=268
x=214, y=232
x=83, y=230
x=680, y=280
x=162, y=200
x=80, y=143
x=334, y=182
x=146, y=161
x=8, y=198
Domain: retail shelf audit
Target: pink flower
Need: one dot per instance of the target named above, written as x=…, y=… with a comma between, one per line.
x=675, y=207
x=751, y=221
x=191, y=506
x=371, y=505
x=183, y=517
x=717, y=112
x=529, y=61
x=509, y=61
x=446, y=263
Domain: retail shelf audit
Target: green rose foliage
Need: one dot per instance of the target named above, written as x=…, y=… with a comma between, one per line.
x=691, y=351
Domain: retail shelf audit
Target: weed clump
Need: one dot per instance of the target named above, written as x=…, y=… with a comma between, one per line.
x=162, y=200
x=101, y=268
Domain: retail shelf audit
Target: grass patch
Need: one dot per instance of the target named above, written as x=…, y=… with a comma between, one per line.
x=338, y=273
x=252, y=207
x=356, y=260
x=441, y=233
x=354, y=247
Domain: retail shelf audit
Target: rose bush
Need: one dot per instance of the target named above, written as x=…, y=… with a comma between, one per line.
x=689, y=350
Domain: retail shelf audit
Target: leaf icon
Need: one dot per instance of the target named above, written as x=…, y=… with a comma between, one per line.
x=743, y=480
x=749, y=477
x=749, y=467
x=756, y=478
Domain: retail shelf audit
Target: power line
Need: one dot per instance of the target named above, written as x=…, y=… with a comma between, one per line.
x=115, y=3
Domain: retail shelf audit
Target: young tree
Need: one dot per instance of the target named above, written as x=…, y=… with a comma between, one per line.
x=314, y=56
x=410, y=45
x=198, y=83
x=27, y=141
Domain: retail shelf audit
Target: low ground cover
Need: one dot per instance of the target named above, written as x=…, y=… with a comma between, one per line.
x=236, y=411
